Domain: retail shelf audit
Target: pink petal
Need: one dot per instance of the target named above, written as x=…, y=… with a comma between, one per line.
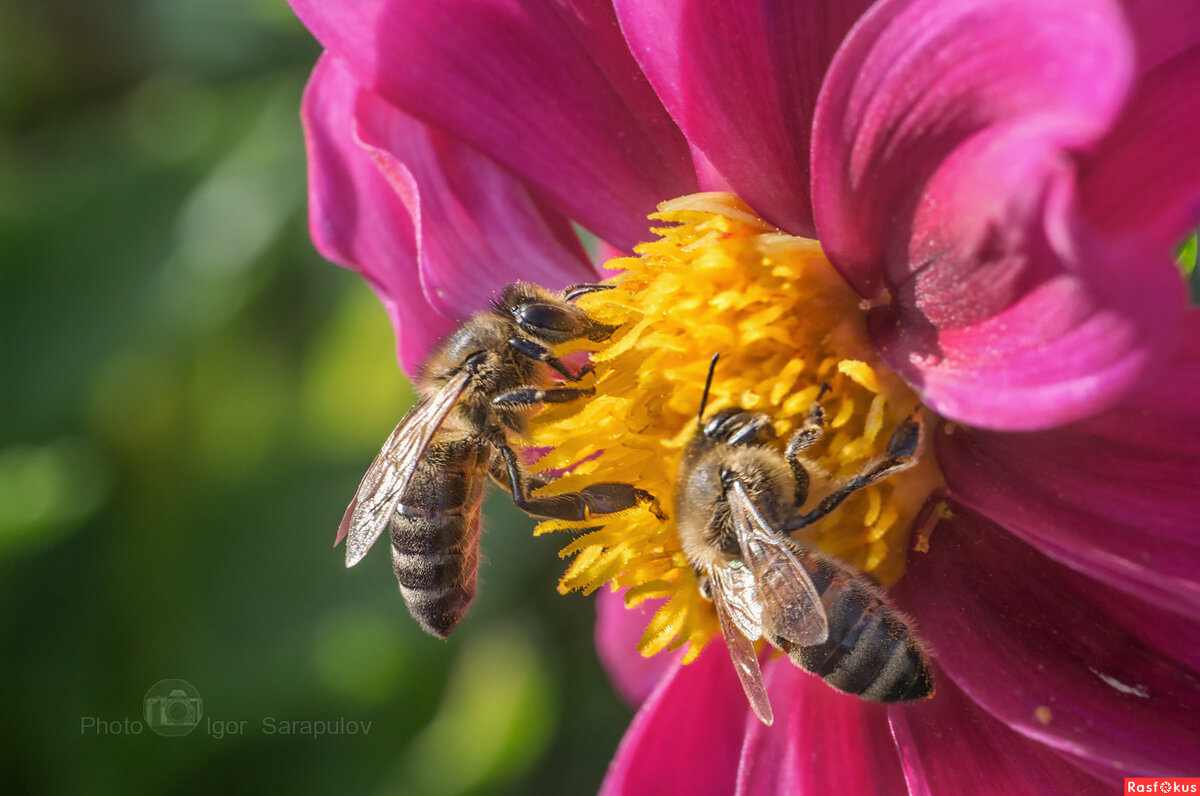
x=1021, y=636
x=822, y=741
x=478, y=228
x=687, y=735
x=1084, y=324
x=618, y=630
x=1162, y=29
x=548, y=89
x=435, y=227
x=1143, y=178
x=950, y=746
x=917, y=79
x=358, y=219
x=942, y=174
x=741, y=80
x=1116, y=496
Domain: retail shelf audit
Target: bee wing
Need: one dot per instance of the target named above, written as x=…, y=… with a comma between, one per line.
x=385, y=482
x=791, y=606
x=738, y=611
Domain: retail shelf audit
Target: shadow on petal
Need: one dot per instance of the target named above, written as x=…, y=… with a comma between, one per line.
x=687, y=736
x=822, y=741
x=951, y=746
x=1116, y=496
x=1012, y=630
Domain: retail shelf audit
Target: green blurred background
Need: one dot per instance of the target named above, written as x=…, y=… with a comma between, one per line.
x=188, y=398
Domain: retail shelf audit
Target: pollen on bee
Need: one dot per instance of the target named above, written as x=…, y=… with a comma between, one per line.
x=720, y=280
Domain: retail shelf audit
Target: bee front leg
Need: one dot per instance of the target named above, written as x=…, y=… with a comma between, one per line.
x=901, y=450
x=594, y=499
x=536, y=351
x=575, y=291
x=805, y=437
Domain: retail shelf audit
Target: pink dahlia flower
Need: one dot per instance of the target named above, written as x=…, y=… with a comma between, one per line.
x=1002, y=181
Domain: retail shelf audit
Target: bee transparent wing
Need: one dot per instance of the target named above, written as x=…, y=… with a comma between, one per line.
x=736, y=609
x=740, y=597
x=385, y=482
x=791, y=606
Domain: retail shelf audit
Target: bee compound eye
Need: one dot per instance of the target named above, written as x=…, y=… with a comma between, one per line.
x=547, y=318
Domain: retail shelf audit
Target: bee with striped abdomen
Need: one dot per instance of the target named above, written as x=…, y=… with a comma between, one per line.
x=737, y=502
x=426, y=485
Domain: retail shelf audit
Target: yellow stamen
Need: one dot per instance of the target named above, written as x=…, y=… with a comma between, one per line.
x=721, y=280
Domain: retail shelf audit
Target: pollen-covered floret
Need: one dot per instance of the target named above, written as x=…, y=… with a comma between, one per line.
x=721, y=280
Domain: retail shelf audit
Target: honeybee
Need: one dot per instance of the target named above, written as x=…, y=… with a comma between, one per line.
x=426, y=484
x=737, y=502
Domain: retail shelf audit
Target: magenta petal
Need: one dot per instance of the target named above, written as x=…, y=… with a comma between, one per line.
x=1080, y=324
x=950, y=746
x=548, y=89
x=1116, y=496
x=1162, y=29
x=942, y=173
x=618, y=630
x=741, y=80
x=687, y=735
x=822, y=741
x=917, y=79
x=1017, y=633
x=357, y=217
x=478, y=227
x=1144, y=177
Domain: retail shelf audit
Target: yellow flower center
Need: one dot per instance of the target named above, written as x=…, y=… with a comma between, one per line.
x=721, y=280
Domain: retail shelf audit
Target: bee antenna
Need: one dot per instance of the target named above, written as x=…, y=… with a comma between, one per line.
x=712, y=368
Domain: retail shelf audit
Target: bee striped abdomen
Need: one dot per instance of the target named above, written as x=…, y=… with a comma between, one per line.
x=435, y=535
x=870, y=651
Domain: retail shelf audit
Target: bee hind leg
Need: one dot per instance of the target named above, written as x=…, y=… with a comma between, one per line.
x=595, y=499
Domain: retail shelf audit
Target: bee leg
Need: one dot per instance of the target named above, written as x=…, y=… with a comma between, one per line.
x=804, y=438
x=575, y=291
x=604, y=498
x=536, y=351
x=528, y=396
x=901, y=450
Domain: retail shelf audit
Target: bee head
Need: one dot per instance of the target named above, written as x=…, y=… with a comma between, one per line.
x=737, y=426
x=733, y=426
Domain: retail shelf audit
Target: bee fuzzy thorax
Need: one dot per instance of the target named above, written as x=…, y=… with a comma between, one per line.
x=717, y=279
x=700, y=510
